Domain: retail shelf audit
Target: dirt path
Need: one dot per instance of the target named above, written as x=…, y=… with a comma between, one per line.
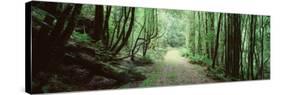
x=185, y=73
x=173, y=70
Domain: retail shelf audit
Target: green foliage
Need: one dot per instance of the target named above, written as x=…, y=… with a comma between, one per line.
x=200, y=59
x=88, y=11
x=174, y=25
x=193, y=33
x=176, y=40
x=217, y=74
x=40, y=14
x=150, y=81
x=210, y=36
x=80, y=37
x=157, y=53
x=148, y=60
x=185, y=52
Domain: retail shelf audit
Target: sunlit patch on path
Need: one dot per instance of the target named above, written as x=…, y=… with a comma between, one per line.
x=173, y=70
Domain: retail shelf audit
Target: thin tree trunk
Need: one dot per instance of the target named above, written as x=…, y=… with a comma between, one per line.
x=127, y=35
x=217, y=42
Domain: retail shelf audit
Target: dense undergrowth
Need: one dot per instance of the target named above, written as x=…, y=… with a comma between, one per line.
x=72, y=75
x=203, y=60
x=91, y=47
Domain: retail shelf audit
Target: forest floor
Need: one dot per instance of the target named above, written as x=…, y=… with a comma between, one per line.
x=172, y=70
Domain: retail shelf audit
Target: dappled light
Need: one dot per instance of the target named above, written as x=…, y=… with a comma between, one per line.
x=173, y=56
x=91, y=47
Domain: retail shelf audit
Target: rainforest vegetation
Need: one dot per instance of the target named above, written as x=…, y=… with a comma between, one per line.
x=90, y=47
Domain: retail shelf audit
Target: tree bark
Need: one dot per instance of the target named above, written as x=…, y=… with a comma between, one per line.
x=98, y=32
x=127, y=35
x=217, y=42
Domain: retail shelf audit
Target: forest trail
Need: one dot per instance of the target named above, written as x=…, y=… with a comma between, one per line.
x=173, y=70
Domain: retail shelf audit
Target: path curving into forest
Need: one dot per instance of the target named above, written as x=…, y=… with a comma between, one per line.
x=173, y=70
x=185, y=72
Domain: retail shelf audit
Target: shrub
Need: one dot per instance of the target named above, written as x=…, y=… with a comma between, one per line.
x=80, y=37
x=200, y=59
x=147, y=60
x=185, y=52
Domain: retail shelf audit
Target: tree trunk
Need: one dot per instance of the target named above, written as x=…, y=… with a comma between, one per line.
x=217, y=42
x=129, y=31
x=98, y=32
